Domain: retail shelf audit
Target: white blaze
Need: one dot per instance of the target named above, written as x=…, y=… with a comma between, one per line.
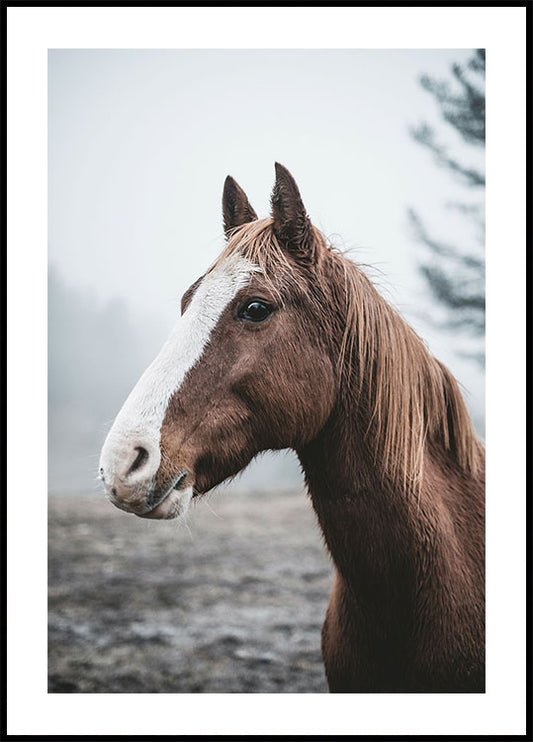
x=141, y=417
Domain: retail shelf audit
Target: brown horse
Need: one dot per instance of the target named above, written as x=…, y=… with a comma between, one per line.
x=285, y=343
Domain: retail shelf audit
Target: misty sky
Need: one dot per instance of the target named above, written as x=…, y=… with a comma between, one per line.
x=140, y=143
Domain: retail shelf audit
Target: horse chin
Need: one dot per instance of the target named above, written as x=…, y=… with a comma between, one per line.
x=174, y=505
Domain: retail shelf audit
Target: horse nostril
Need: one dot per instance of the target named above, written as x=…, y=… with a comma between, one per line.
x=140, y=460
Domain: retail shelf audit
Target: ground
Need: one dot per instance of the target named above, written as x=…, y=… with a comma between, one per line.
x=231, y=602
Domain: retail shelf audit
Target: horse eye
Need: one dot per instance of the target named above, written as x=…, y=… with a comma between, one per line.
x=255, y=311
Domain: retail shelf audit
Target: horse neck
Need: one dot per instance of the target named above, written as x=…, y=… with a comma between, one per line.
x=365, y=522
x=375, y=531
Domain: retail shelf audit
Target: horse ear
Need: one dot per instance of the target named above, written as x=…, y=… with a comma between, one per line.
x=292, y=226
x=236, y=208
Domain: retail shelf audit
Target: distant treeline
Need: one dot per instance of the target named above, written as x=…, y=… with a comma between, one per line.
x=95, y=354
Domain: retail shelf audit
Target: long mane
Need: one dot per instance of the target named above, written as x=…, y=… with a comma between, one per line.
x=411, y=400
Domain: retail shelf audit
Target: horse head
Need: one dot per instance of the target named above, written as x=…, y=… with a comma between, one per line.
x=247, y=367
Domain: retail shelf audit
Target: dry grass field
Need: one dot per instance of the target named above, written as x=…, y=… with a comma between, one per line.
x=231, y=602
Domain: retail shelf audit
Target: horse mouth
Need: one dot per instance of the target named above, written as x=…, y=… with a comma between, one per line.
x=174, y=503
x=182, y=476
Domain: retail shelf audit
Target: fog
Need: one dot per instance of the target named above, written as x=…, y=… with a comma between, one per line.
x=140, y=143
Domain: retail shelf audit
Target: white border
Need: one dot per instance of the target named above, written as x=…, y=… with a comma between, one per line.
x=31, y=31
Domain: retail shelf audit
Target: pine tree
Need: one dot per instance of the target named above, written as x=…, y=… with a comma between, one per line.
x=455, y=274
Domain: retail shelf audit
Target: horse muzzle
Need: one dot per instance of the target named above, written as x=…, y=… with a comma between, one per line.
x=128, y=471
